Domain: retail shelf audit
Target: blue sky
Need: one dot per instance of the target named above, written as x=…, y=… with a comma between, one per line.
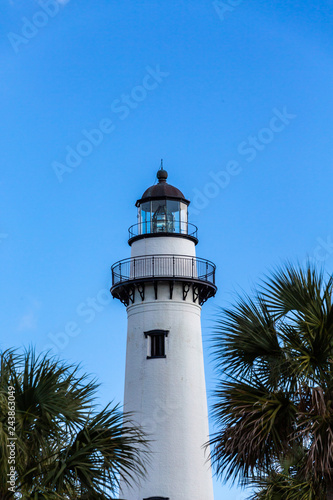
x=237, y=99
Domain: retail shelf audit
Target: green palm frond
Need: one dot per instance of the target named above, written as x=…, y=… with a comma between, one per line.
x=246, y=341
x=255, y=424
x=66, y=447
x=294, y=290
x=274, y=354
x=282, y=486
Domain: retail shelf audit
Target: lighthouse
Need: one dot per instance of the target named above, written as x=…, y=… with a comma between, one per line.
x=163, y=286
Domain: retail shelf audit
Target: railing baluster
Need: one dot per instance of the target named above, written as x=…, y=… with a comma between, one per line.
x=145, y=227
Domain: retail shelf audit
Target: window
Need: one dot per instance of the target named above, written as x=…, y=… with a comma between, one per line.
x=156, y=344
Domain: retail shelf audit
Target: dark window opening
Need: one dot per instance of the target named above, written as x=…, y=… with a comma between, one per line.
x=157, y=347
x=156, y=344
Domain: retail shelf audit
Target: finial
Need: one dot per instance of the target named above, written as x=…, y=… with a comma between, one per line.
x=162, y=174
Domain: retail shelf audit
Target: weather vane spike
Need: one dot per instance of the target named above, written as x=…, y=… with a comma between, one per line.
x=162, y=164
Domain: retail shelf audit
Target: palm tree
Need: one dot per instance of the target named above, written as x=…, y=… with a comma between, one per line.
x=274, y=402
x=66, y=447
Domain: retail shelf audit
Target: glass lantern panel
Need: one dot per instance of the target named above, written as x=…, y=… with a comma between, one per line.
x=163, y=216
x=163, y=220
x=144, y=214
x=174, y=209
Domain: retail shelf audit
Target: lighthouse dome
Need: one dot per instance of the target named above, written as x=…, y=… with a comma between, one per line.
x=162, y=189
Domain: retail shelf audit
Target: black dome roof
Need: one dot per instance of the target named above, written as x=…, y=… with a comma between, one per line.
x=162, y=190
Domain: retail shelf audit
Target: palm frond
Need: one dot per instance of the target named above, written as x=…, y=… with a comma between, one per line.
x=274, y=355
x=66, y=447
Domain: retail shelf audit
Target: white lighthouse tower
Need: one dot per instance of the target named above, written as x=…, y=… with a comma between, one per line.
x=163, y=286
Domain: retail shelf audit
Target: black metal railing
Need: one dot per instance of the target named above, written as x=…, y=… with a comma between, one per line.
x=163, y=266
x=185, y=228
